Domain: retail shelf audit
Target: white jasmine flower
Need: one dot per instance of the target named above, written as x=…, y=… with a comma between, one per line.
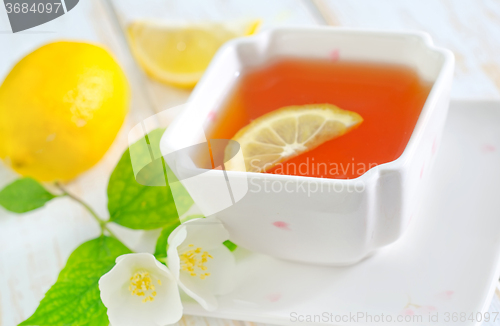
x=200, y=262
x=139, y=290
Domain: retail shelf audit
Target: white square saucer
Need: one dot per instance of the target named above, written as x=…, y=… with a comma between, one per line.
x=446, y=265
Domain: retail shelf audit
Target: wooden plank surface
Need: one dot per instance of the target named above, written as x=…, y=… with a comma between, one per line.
x=471, y=29
x=271, y=13
x=35, y=246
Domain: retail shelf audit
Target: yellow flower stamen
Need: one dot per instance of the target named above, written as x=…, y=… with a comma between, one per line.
x=141, y=285
x=193, y=260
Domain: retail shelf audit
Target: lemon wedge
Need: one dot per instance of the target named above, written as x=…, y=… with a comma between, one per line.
x=286, y=133
x=179, y=54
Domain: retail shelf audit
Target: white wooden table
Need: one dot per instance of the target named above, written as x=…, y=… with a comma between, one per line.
x=35, y=246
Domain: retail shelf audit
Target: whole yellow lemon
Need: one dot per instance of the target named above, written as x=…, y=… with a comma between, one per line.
x=61, y=107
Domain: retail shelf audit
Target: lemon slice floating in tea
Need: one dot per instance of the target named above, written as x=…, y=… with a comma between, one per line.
x=179, y=54
x=286, y=133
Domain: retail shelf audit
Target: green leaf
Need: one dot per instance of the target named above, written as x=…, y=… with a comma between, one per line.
x=192, y=217
x=142, y=200
x=231, y=246
x=162, y=242
x=183, y=200
x=24, y=195
x=74, y=300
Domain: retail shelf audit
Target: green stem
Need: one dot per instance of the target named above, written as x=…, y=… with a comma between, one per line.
x=105, y=227
x=102, y=222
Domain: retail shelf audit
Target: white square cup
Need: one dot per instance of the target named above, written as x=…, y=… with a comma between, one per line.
x=305, y=219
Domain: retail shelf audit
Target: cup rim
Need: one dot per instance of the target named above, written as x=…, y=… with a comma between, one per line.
x=388, y=167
